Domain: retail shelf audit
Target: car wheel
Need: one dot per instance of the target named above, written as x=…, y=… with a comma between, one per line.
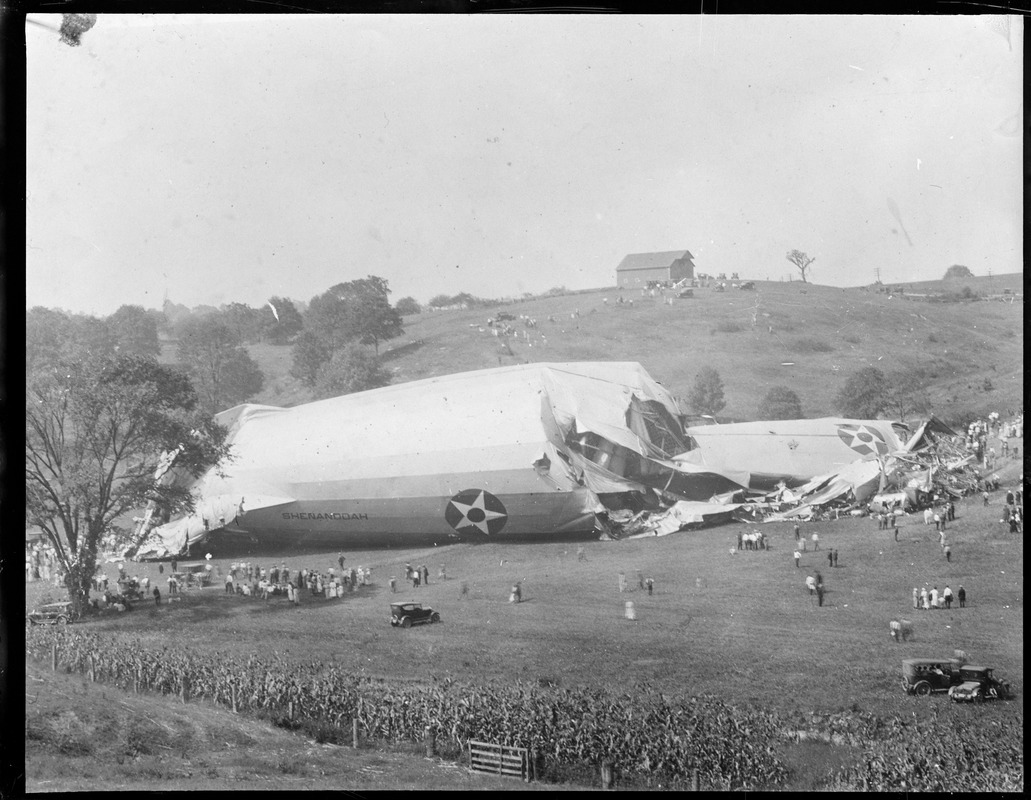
x=62, y=620
x=923, y=688
x=435, y=617
x=993, y=692
x=406, y=622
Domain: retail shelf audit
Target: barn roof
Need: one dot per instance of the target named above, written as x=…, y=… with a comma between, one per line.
x=651, y=260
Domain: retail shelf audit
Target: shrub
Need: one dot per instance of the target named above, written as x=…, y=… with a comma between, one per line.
x=408, y=305
x=810, y=344
x=726, y=326
x=780, y=402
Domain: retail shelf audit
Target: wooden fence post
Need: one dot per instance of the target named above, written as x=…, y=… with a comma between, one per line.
x=92, y=669
x=233, y=687
x=290, y=710
x=429, y=741
x=694, y=780
x=53, y=657
x=354, y=733
x=606, y=775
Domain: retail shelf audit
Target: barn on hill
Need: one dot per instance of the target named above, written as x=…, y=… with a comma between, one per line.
x=636, y=270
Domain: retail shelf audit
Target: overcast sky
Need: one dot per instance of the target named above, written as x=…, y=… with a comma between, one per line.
x=232, y=158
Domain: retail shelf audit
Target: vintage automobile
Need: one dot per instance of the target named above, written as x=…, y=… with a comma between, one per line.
x=407, y=614
x=197, y=574
x=52, y=614
x=685, y=293
x=921, y=676
x=746, y=285
x=978, y=684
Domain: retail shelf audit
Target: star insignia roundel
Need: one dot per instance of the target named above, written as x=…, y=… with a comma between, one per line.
x=863, y=439
x=476, y=511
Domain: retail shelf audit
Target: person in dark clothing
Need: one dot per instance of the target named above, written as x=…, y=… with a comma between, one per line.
x=835, y=558
x=341, y=560
x=175, y=564
x=650, y=584
x=157, y=596
x=830, y=558
x=161, y=569
x=962, y=597
x=797, y=532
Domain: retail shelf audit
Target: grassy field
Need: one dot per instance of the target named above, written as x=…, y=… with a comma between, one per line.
x=741, y=627
x=823, y=334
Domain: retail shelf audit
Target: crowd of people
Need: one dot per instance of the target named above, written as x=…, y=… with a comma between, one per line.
x=251, y=580
x=924, y=600
x=41, y=563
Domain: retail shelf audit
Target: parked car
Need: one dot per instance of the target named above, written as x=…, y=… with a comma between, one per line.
x=921, y=676
x=978, y=684
x=746, y=285
x=197, y=574
x=52, y=614
x=407, y=614
x=685, y=293
x=504, y=315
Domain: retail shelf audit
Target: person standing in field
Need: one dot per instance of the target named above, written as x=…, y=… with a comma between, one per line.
x=798, y=557
x=916, y=599
x=798, y=534
x=961, y=595
x=816, y=541
x=650, y=584
x=830, y=558
x=947, y=596
x=835, y=557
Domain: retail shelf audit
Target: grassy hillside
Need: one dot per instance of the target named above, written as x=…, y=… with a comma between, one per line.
x=806, y=337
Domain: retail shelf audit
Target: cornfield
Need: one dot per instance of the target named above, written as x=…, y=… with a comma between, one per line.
x=647, y=734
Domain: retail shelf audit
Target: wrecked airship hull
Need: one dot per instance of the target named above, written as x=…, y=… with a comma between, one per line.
x=523, y=451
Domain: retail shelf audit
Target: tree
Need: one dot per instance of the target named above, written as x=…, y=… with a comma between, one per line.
x=283, y=325
x=863, y=395
x=354, y=311
x=352, y=369
x=136, y=331
x=246, y=322
x=958, y=271
x=780, y=402
x=52, y=335
x=222, y=372
x=903, y=396
x=407, y=305
x=96, y=428
x=47, y=333
x=706, y=396
x=800, y=260
x=309, y=353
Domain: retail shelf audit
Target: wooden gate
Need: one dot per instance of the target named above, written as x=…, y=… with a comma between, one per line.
x=501, y=760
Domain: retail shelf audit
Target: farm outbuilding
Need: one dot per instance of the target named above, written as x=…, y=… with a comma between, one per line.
x=637, y=270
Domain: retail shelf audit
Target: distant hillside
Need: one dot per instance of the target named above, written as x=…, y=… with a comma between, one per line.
x=819, y=336
x=978, y=284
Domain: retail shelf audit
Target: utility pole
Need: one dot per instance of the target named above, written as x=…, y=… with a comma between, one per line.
x=877, y=273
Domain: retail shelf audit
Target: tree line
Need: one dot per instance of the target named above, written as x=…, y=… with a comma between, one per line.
x=869, y=393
